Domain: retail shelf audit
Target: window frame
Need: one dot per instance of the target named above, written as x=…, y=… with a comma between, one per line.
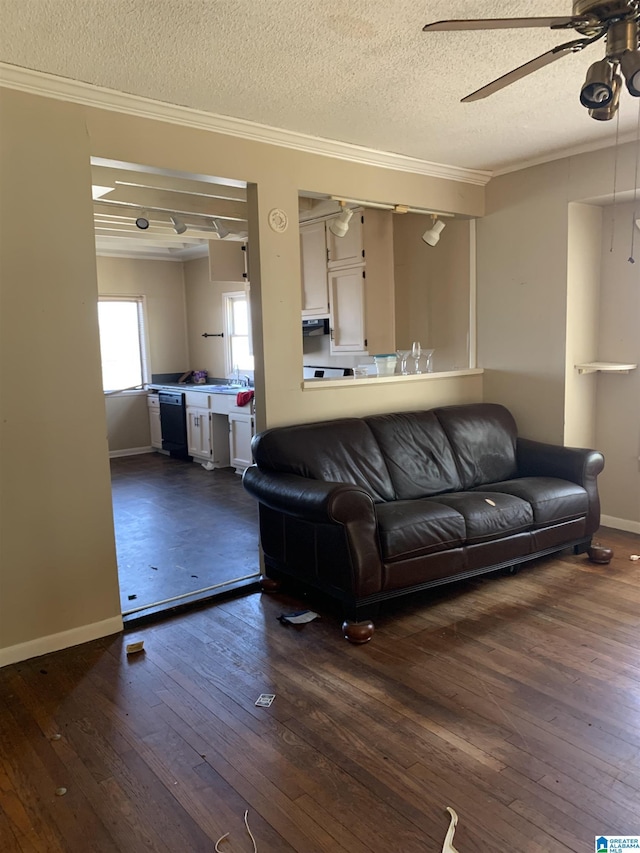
x=228, y=298
x=143, y=339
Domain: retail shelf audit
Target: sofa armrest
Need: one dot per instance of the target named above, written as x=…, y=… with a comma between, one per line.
x=581, y=466
x=301, y=497
x=537, y=459
x=321, y=502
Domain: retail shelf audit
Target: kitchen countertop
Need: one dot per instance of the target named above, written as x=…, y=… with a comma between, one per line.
x=207, y=389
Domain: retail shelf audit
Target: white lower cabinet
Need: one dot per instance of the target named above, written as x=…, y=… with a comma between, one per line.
x=155, y=428
x=208, y=428
x=241, y=428
x=198, y=433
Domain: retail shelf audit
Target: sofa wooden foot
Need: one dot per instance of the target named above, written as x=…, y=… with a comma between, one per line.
x=358, y=632
x=269, y=584
x=599, y=554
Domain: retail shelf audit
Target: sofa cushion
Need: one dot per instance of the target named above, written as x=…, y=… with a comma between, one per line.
x=340, y=451
x=552, y=500
x=413, y=528
x=417, y=453
x=490, y=515
x=483, y=440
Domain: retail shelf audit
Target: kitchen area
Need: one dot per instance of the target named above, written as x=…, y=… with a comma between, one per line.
x=185, y=529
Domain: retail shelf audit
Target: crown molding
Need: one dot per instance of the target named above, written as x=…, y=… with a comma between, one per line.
x=66, y=89
x=574, y=151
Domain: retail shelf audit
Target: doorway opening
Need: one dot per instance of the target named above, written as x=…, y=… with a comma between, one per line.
x=171, y=249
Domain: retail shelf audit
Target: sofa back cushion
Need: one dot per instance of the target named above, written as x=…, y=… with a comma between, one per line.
x=483, y=440
x=417, y=452
x=341, y=451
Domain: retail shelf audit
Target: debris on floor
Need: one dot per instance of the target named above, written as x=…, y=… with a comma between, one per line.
x=448, y=847
x=226, y=835
x=265, y=700
x=131, y=597
x=134, y=648
x=635, y=557
x=60, y=792
x=299, y=618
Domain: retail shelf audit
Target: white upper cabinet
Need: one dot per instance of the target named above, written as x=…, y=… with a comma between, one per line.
x=313, y=270
x=348, y=250
x=347, y=298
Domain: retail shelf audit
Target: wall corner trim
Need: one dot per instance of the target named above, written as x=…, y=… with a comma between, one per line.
x=65, y=89
x=63, y=640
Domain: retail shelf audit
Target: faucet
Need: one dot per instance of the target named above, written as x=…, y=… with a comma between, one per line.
x=246, y=381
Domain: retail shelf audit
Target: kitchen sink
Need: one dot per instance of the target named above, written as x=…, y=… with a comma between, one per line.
x=219, y=389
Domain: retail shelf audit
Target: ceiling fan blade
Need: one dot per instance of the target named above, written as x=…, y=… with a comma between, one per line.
x=501, y=24
x=529, y=67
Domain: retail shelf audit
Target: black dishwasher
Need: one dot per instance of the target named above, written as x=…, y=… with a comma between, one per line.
x=173, y=420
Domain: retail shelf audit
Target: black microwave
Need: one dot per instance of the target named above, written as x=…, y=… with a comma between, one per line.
x=315, y=327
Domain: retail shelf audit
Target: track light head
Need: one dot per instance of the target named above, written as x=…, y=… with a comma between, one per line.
x=432, y=236
x=178, y=226
x=142, y=222
x=630, y=66
x=219, y=228
x=340, y=225
x=597, y=90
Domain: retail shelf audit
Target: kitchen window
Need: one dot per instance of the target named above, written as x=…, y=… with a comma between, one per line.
x=237, y=332
x=122, y=342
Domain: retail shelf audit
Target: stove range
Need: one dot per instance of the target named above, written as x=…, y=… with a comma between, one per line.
x=310, y=371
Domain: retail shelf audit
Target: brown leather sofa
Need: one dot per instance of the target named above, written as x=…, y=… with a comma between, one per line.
x=366, y=509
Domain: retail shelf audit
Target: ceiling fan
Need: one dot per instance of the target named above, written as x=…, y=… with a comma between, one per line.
x=617, y=21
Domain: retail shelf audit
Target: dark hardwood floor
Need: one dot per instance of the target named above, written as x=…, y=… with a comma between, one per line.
x=179, y=528
x=515, y=700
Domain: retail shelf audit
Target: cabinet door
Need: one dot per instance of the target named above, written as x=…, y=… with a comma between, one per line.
x=198, y=432
x=155, y=427
x=240, y=434
x=348, y=250
x=227, y=260
x=346, y=296
x=313, y=270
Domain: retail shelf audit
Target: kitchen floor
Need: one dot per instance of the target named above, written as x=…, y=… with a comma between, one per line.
x=179, y=528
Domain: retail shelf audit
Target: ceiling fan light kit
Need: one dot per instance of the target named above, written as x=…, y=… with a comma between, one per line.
x=617, y=21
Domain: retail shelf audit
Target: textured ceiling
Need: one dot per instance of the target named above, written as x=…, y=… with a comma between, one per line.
x=360, y=71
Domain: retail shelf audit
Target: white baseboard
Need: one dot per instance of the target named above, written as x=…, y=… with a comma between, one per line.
x=620, y=523
x=131, y=451
x=55, y=642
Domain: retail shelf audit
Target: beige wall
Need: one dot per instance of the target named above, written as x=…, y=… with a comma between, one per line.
x=205, y=314
x=618, y=395
x=58, y=580
x=523, y=257
x=432, y=289
x=162, y=285
x=64, y=582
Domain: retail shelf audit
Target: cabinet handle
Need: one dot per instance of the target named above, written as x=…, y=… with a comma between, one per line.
x=331, y=335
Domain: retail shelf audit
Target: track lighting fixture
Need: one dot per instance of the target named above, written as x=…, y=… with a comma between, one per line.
x=340, y=225
x=220, y=229
x=142, y=222
x=178, y=226
x=432, y=236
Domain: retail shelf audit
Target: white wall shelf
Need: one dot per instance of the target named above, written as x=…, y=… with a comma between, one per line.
x=605, y=367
